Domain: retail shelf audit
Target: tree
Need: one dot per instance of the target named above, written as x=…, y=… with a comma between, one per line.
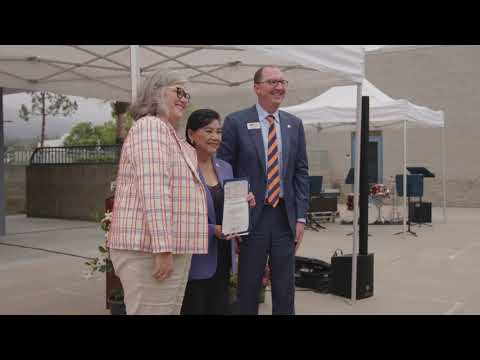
x=47, y=104
x=106, y=133
x=85, y=133
x=119, y=113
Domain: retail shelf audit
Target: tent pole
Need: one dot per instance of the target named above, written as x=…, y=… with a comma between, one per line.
x=2, y=170
x=134, y=70
x=405, y=214
x=444, y=176
x=356, y=193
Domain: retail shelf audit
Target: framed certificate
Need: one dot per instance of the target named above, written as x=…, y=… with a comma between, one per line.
x=236, y=215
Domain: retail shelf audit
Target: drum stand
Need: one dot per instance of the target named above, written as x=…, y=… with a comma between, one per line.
x=395, y=213
x=378, y=202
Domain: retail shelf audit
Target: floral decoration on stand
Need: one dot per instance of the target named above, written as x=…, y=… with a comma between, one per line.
x=102, y=262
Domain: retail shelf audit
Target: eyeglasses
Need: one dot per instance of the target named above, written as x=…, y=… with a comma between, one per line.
x=182, y=94
x=274, y=83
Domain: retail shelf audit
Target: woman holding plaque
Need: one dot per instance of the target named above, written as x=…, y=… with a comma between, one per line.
x=207, y=287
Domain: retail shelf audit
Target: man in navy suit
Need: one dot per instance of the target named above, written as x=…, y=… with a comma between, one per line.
x=268, y=147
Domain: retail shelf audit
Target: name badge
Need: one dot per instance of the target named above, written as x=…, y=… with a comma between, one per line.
x=254, y=125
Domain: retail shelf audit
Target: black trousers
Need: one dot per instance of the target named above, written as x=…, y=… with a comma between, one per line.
x=210, y=296
x=272, y=238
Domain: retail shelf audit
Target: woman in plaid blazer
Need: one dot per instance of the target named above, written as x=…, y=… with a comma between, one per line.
x=160, y=212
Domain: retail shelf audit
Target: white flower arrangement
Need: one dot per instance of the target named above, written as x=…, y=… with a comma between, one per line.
x=102, y=262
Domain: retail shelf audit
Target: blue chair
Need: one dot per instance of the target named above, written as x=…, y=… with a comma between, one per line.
x=414, y=185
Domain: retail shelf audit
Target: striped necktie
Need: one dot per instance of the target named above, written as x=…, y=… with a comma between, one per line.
x=273, y=167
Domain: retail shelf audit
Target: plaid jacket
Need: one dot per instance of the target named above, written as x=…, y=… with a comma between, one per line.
x=160, y=202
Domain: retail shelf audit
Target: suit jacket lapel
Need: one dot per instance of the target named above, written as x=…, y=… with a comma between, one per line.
x=285, y=141
x=218, y=170
x=256, y=136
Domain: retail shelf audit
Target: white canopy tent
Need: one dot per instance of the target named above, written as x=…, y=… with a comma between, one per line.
x=104, y=72
x=113, y=72
x=335, y=110
x=377, y=49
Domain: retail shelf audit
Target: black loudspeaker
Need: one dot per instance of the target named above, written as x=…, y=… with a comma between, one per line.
x=341, y=274
x=420, y=212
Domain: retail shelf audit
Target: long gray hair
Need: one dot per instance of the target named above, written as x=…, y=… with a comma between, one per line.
x=151, y=96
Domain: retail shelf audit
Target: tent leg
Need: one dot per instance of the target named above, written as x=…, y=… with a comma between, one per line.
x=356, y=193
x=134, y=70
x=2, y=170
x=405, y=214
x=444, y=175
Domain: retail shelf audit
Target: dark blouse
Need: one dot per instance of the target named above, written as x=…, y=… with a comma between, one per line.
x=217, y=196
x=224, y=249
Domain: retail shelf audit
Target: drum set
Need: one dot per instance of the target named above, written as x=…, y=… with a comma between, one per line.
x=376, y=200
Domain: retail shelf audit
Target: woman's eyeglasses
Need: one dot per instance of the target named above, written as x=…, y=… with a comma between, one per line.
x=182, y=94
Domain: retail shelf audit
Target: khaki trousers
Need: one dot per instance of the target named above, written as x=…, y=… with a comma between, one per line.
x=145, y=295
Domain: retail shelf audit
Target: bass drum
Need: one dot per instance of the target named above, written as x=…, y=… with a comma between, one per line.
x=350, y=202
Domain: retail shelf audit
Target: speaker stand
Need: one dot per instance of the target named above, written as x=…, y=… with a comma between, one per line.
x=351, y=233
x=408, y=231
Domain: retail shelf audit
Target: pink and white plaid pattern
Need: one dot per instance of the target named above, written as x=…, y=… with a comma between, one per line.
x=160, y=203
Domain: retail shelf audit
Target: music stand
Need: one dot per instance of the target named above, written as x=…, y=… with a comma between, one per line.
x=426, y=174
x=315, y=183
x=414, y=188
x=420, y=171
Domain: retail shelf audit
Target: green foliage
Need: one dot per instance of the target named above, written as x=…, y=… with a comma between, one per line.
x=106, y=133
x=85, y=133
x=116, y=294
x=128, y=122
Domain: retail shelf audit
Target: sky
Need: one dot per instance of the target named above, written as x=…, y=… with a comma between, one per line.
x=93, y=110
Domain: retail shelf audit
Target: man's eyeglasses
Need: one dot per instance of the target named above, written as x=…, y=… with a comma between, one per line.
x=182, y=94
x=274, y=83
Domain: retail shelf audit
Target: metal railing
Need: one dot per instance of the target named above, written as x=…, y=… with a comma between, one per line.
x=92, y=154
x=17, y=155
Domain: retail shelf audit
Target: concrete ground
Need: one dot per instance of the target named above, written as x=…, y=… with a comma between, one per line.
x=434, y=273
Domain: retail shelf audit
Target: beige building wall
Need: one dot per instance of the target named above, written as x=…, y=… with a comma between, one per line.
x=441, y=78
